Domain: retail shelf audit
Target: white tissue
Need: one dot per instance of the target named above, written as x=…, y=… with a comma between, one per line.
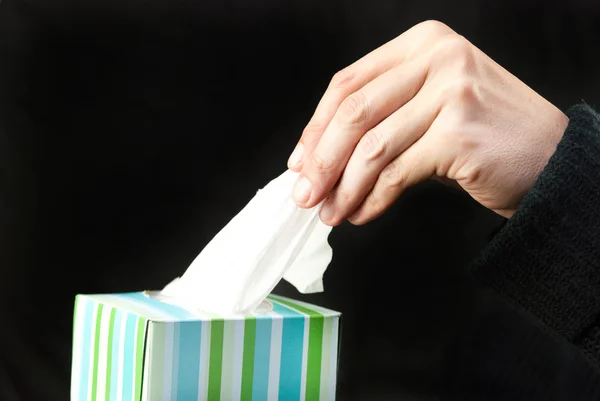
x=270, y=239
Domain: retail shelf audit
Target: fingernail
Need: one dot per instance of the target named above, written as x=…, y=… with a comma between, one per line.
x=302, y=190
x=327, y=212
x=296, y=156
x=354, y=216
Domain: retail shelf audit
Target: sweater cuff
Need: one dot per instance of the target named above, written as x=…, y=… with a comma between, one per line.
x=546, y=259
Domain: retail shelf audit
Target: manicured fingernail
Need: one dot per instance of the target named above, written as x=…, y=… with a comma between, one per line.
x=327, y=212
x=302, y=190
x=296, y=156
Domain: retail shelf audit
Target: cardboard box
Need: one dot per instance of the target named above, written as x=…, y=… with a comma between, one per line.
x=134, y=346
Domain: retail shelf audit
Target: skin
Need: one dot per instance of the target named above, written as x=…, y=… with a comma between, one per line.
x=427, y=104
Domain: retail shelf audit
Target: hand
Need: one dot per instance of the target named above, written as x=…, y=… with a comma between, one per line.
x=427, y=104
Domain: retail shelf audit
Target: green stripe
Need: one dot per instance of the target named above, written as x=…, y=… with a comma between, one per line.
x=139, y=357
x=216, y=359
x=157, y=365
x=111, y=329
x=326, y=361
x=315, y=349
x=313, y=366
x=248, y=358
x=96, y=348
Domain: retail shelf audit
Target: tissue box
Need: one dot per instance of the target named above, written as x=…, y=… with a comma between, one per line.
x=136, y=347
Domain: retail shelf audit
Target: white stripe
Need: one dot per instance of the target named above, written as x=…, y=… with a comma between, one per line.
x=146, y=382
x=135, y=348
x=103, y=353
x=325, y=360
x=168, y=364
x=304, y=358
x=121, y=357
x=77, y=348
x=275, y=360
x=91, y=362
x=238, y=358
x=228, y=338
x=334, y=356
x=204, y=361
x=175, y=347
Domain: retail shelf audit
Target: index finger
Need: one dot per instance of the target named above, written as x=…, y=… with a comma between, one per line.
x=358, y=114
x=349, y=80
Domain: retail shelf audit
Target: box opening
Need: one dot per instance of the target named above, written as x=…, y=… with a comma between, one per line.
x=264, y=308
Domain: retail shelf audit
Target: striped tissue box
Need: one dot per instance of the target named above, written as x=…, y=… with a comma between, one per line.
x=135, y=347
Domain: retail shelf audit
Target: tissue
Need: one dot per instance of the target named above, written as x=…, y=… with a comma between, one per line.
x=268, y=240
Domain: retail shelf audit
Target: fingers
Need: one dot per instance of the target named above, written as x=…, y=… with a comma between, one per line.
x=375, y=150
x=405, y=47
x=358, y=113
x=433, y=154
x=416, y=164
x=342, y=85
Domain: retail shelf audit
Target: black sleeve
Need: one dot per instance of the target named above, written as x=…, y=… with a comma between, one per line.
x=546, y=259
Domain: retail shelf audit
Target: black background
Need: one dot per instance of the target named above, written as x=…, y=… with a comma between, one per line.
x=132, y=131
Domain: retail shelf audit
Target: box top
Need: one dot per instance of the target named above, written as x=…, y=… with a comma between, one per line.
x=143, y=304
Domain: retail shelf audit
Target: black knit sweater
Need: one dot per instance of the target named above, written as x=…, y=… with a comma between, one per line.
x=546, y=259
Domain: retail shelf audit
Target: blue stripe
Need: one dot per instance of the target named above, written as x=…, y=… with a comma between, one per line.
x=87, y=347
x=262, y=357
x=114, y=372
x=176, y=312
x=175, y=361
x=129, y=357
x=292, y=343
x=190, y=337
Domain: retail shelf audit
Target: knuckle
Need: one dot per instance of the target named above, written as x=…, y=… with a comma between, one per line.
x=342, y=78
x=448, y=128
x=458, y=44
x=342, y=197
x=320, y=165
x=468, y=170
x=354, y=109
x=434, y=27
x=372, y=204
x=472, y=173
x=459, y=132
x=372, y=145
x=314, y=128
x=463, y=91
x=393, y=174
x=457, y=52
x=446, y=137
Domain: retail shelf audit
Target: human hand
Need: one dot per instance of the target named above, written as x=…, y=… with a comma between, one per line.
x=426, y=104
